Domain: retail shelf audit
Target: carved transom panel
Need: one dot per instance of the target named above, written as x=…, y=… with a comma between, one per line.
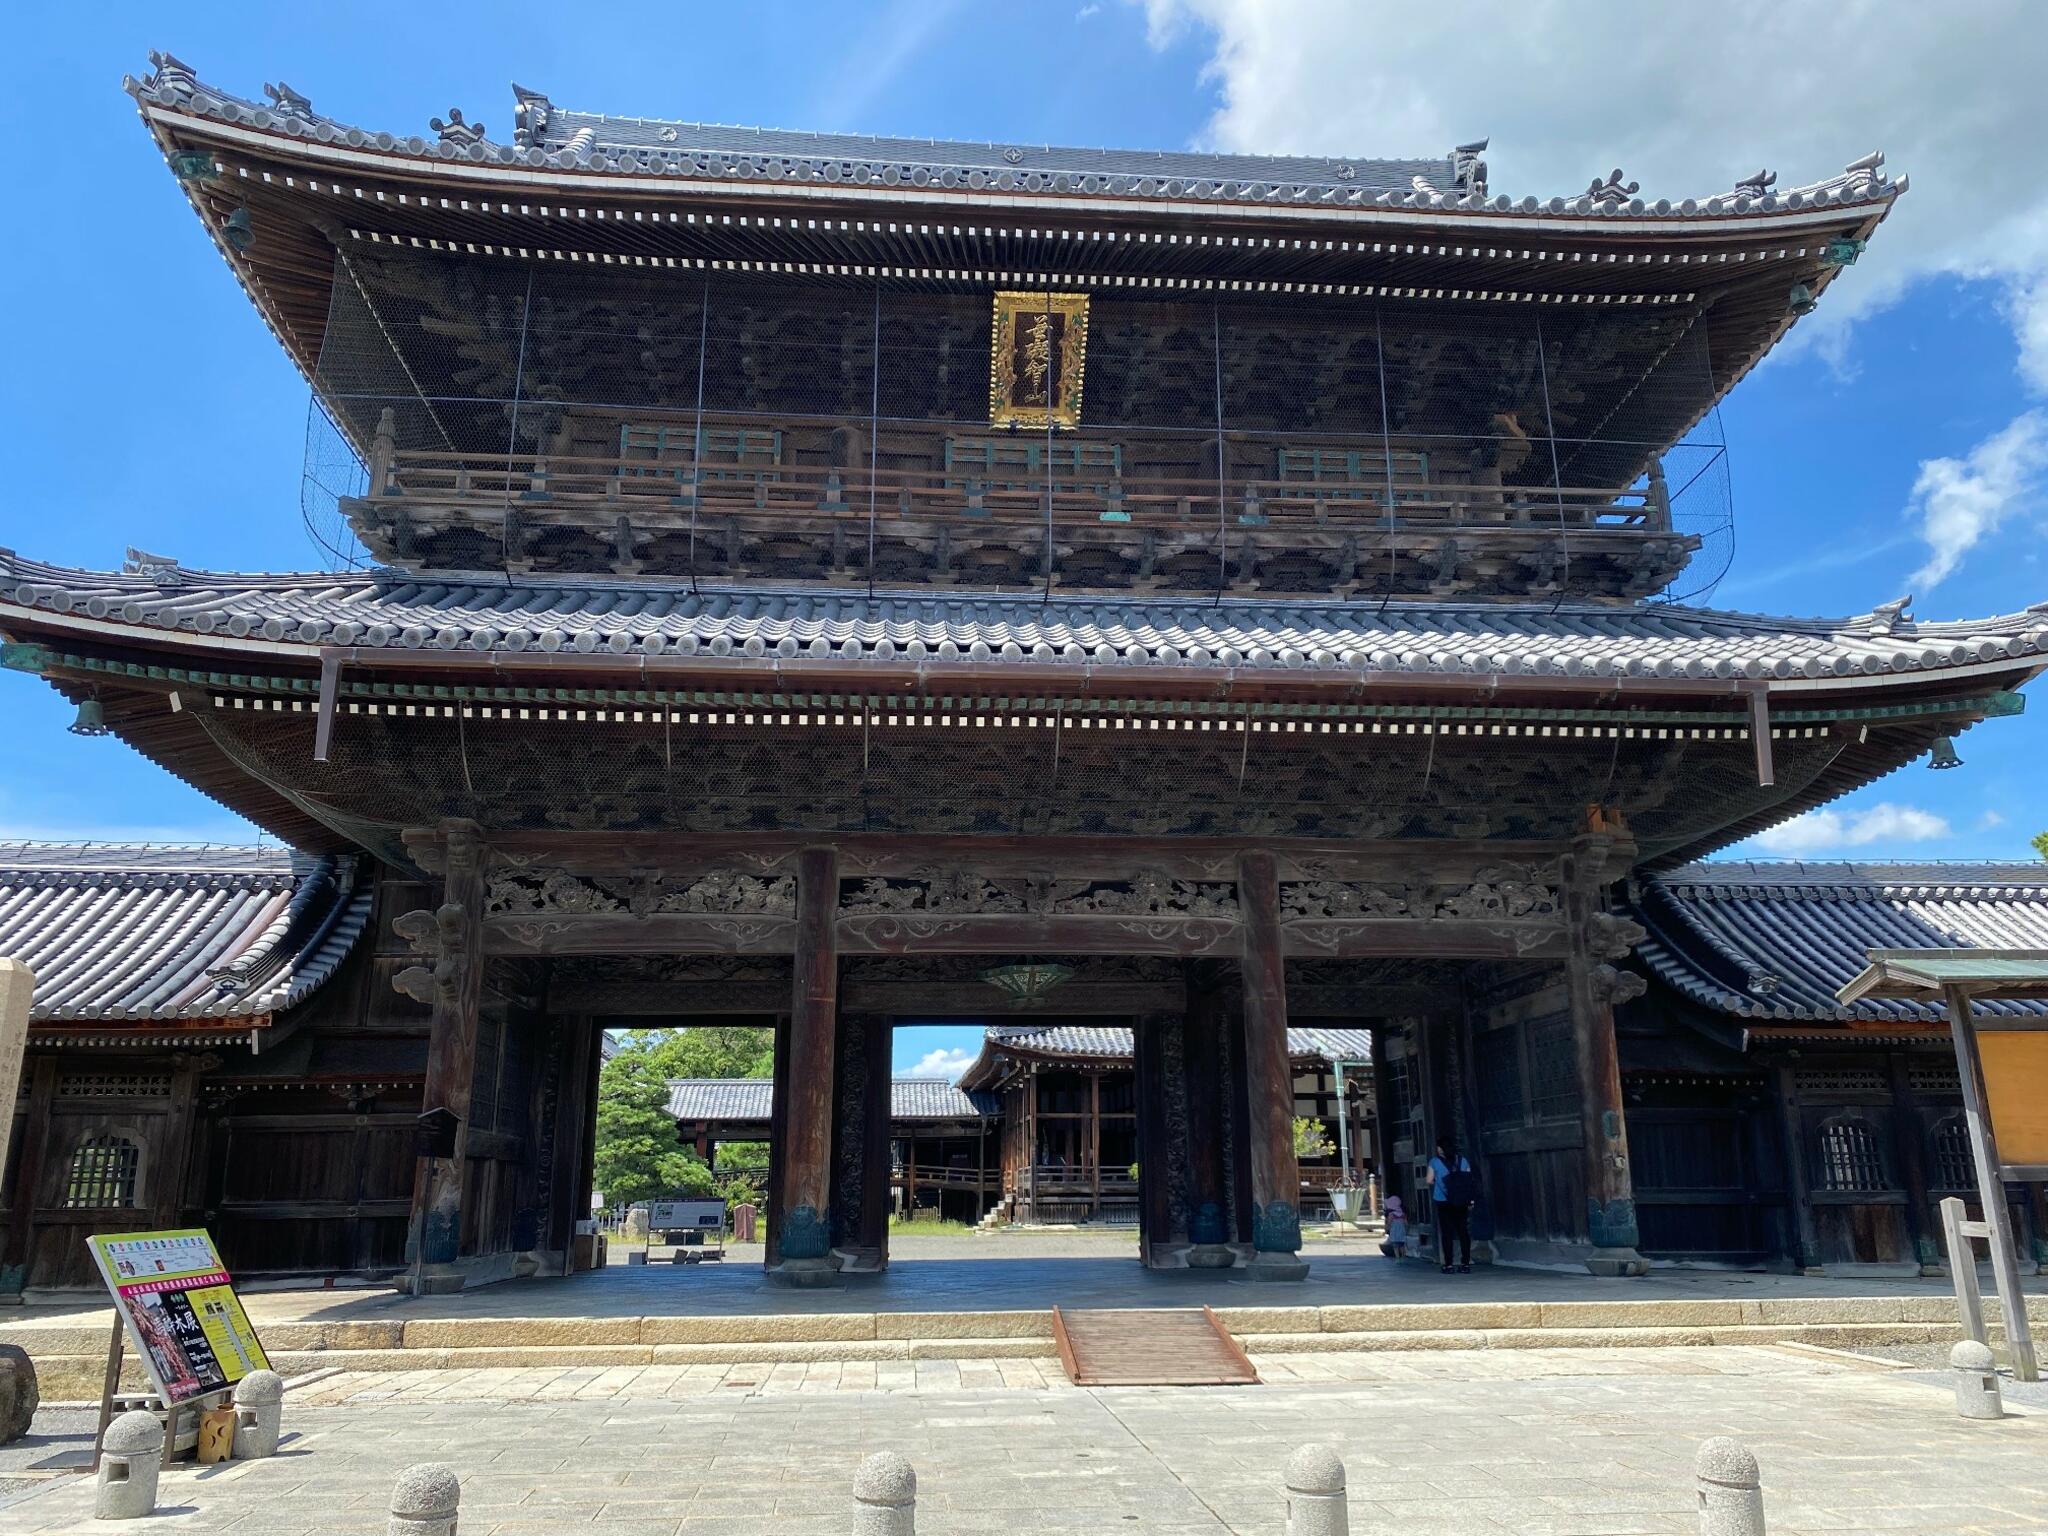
x=1504, y=891
x=721, y=893
x=1146, y=894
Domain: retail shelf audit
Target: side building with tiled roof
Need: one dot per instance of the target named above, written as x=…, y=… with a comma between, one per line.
x=1767, y=1121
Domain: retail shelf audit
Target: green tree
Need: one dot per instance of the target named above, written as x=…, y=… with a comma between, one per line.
x=1311, y=1141
x=2041, y=844
x=638, y=1156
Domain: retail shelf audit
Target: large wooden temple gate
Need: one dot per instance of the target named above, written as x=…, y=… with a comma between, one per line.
x=1207, y=946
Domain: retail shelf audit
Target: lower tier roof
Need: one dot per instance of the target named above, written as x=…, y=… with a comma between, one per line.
x=749, y=1099
x=472, y=613
x=1774, y=942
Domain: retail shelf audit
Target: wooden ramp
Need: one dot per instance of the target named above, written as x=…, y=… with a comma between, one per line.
x=1178, y=1348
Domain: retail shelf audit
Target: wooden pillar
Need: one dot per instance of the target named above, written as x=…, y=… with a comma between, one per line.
x=910, y=1177
x=575, y=1133
x=861, y=1113
x=1207, y=1066
x=1156, y=1154
x=1805, y=1237
x=778, y=1149
x=25, y=1177
x=1593, y=987
x=1269, y=1077
x=453, y=935
x=1909, y=1149
x=1095, y=1143
x=170, y=1175
x=804, y=1223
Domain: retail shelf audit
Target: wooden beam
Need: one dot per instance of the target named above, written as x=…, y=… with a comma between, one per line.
x=1269, y=1075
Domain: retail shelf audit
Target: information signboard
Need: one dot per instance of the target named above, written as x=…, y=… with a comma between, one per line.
x=2016, y=1093
x=181, y=1310
x=686, y=1215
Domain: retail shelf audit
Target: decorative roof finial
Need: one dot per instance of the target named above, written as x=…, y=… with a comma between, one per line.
x=1468, y=171
x=286, y=102
x=1865, y=174
x=1759, y=184
x=171, y=74
x=1613, y=191
x=456, y=131
x=1886, y=617
x=530, y=115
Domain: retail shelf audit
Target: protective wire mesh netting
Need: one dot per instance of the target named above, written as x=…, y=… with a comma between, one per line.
x=706, y=769
x=600, y=419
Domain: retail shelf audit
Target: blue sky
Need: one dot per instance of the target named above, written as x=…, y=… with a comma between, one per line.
x=151, y=408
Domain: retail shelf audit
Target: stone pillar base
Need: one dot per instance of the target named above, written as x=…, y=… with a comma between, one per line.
x=806, y=1274
x=439, y=1280
x=1211, y=1256
x=1167, y=1256
x=1272, y=1267
x=1613, y=1263
x=860, y=1261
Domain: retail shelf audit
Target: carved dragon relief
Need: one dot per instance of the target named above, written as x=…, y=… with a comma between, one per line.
x=1146, y=894
x=1516, y=893
x=515, y=893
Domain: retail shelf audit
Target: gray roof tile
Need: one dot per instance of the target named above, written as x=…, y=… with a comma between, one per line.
x=1083, y=1040
x=470, y=612
x=1773, y=942
x=750, y=1099
x=147, y=932
x=550, y=138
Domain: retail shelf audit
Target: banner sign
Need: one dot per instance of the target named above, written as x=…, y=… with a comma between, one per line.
x=181, y=1310
x=685, y=1215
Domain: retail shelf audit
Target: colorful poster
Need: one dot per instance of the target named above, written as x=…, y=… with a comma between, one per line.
x=181, y=1310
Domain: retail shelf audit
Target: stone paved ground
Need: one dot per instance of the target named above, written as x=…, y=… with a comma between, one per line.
x=1539, y=1443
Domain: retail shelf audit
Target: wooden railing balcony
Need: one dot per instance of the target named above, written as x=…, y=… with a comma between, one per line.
x=1079, y=524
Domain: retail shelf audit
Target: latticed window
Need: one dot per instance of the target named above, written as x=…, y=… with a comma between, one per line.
x=1954, y=1168
x=104, y=1173
x=1849, y=1157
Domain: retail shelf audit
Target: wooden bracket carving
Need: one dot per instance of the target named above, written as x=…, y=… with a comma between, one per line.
x=1613, y=986
x=1610, y=936
x=436, y=936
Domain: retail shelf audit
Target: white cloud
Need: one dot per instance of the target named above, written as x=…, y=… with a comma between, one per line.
x=1685, y=98
x=1960, y=502
x=1826, y=830
x=1989, y=820
x=943, y=1063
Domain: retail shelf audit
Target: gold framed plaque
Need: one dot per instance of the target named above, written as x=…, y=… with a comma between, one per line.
x=1038, y=350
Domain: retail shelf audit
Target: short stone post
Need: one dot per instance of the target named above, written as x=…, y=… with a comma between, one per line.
x=1731, y=1489
x=885, y=1497
x=259, y=1414
x=129, y=1462
x=1316, y=1501
x=1977, y=1394
x=424, y=1501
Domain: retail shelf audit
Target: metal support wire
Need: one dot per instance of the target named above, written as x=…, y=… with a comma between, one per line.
x=1379, y=352
x=507, y=524
x=391, y=342
x=874, y=455
x=1222, y=505
x=697, y=432
x=1556, y=483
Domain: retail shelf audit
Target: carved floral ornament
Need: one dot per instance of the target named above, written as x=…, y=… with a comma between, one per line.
x=1146, y=894
x=1500, y=892
x=719, y=893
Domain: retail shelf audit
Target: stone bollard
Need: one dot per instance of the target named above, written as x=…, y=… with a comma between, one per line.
x=885, y=1497
x=424, y=1500
x=1316, y=1502
x=1731, y=1490
x=259, y=1414
x=129, y=1462
x=19, y=1393
x=1977, y=1394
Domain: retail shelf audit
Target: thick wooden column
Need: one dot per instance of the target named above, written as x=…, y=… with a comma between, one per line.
x=25, y=1178
x=804, y=1222
x=860, y=1172
x=1207, y=1065
x=778, y=1149
x=1802, y=1235
x=452, y=935
x=1162, y=1144
x=1594, y=987
x=1909, y=1143
x=1269, y=1078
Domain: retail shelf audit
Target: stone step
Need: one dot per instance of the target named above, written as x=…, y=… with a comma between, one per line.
x=70, y=1354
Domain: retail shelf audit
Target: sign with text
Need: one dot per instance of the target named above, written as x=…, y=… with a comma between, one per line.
x=181, y=1310
x=687, y=1215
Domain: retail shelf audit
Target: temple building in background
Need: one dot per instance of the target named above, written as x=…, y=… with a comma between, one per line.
x=834, y=582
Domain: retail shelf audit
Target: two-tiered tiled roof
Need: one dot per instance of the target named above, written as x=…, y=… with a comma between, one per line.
x=1772, y=942
x=135, y=934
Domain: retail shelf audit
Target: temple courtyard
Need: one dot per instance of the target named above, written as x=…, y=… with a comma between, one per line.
x=1531, y=1441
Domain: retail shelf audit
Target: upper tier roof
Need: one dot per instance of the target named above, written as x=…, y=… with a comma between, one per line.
x=548, y=137
x=140, y=932
x=1773, y=942
x=472, y=613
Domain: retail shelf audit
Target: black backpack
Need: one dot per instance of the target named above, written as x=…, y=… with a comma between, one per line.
x=1461, y=1185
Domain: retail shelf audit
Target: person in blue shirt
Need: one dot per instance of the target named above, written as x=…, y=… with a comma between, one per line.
x=1450, y=1192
